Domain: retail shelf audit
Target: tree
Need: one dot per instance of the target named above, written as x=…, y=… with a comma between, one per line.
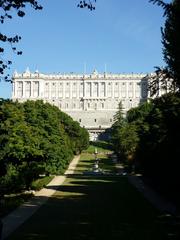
x=87, y=4
x=6, y=7
x=36, y=138
x=169, y=76
x=117, y=125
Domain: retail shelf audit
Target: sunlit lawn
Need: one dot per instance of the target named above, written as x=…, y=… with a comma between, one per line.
x=87, y=160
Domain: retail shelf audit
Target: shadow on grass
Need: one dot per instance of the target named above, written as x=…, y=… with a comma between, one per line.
x=93, y=207
x=102, y=144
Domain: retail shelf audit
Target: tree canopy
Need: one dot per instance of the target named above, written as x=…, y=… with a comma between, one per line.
x=36, y=138
x=169, y=76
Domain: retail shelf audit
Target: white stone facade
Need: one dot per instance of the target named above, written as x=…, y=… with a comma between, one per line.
x=90, y=99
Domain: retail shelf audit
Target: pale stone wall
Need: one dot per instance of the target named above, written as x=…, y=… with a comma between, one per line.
x=91, y=99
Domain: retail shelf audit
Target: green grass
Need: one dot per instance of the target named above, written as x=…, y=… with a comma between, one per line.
x=87, y=159
x=101, y=147
x=85, y=163
x=41, y=182
x=93, y=207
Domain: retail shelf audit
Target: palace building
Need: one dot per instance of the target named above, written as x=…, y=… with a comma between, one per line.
x=90, y=99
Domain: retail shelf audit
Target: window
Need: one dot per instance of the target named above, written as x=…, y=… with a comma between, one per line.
x=109, y=90
x=60, y=90
x=81, y=90
x=116, y=90
x=95, y=90
x=102, y=89
x=74, y=90
x=35, y=89
x=67, y=90
x=46, y=92
x=95, y=120
x=123, y=93
x=79, y=120
x=137, y=90
x=130, y=90
x=88, y=89
x=19, y=89
x=53, y=90
x=28, y=89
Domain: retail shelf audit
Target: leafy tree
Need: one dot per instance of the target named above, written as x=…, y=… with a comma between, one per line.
x=157, y=154
x=127, y=141
x=119, y=116
x=169, y=77
x=6, y=7
x=36, y=138
x=87, y=4
x=117, y=125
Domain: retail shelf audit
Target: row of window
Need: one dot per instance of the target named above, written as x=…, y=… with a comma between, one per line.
x=28, y=90
x=32, y=89
x=95, y=120
x=116, y=94
x=95, y=106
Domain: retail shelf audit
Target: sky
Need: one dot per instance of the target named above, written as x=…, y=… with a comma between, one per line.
x=120, y=36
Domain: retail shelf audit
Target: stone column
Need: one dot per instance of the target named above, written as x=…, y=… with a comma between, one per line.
x=63, y=90
x=120, y=90
x=127, y=90
x=70, y=89
x=38, y=95
x=23, y=89
x=50, y=90
x=84, y=92
x=57, y=90
x=13, y=89
x=134, y=90
x=106, y=84
x=92, y=89
x=98, y=92
x=112, y=90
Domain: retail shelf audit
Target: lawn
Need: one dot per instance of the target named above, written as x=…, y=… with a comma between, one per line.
x=103, y=155
x=87, y=161
x=93, y=207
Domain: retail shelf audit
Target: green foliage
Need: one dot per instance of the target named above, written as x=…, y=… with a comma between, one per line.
x=169, y=76
x=149, y=139
x=10, y=182
x=36, y=138
x=41, y=182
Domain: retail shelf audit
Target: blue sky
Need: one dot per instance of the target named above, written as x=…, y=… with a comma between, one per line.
x=123, y=34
